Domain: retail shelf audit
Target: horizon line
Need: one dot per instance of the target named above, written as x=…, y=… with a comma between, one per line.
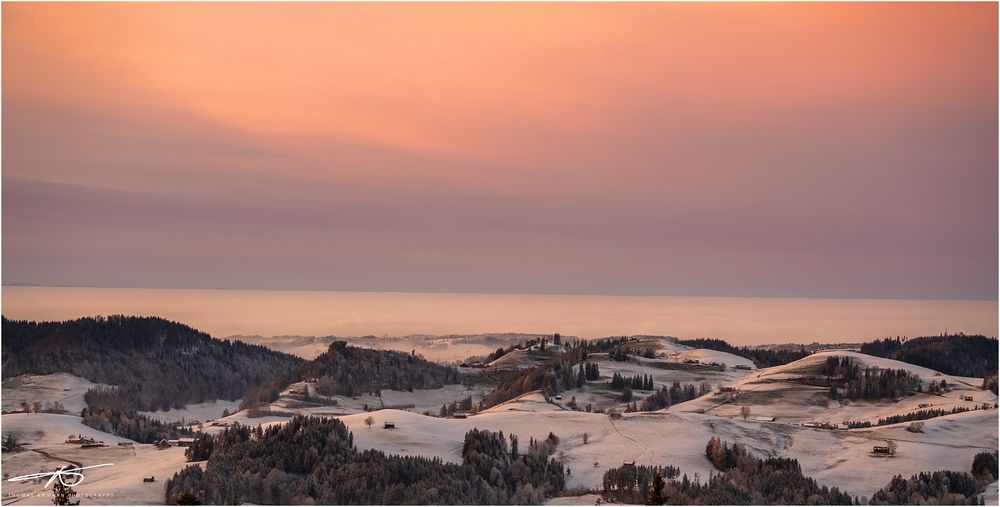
x=495, y=293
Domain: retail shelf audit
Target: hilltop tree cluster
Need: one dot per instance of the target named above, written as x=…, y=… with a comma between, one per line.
x=313, y=460
x=555, y=375
x=541, y=342
x=847, y=379
x=622, y=353
x=349, y=371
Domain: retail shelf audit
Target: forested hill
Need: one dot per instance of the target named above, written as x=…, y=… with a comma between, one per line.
x=956, y=354
x=156, y=364
x=346, y=370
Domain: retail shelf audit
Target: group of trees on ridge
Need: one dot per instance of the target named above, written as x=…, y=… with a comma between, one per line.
x=348, y=371
x=847, y=379
x=555, y=375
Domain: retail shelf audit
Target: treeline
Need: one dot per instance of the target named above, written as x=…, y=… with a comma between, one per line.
x=155, y=363
x=943, y=487
x=312, y=460
x=761, y=357
x=951, y=354
x=622, y=353
x=349, y=371
x=666, y=396
x=745, y=480
x=643, y=382
x=449, y=410
x=848, y=380
x=131, y=425
x=919, y=415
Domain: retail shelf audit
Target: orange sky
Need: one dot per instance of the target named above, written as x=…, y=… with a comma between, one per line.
x=376, y=103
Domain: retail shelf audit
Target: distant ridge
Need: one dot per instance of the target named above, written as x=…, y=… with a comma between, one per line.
x=951, y=354
x=155, y=364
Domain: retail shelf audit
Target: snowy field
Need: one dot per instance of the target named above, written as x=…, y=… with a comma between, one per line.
x=62, y=388
x=196, y=411
x=44, y=435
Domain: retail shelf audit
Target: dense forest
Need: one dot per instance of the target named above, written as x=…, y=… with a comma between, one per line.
x=761, y=357
x=348, y=371
x=953, y=354
x=745, y=480
x=155, y=364
x=313, y=460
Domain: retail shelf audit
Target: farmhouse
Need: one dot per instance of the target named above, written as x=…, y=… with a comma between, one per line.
x=882, y=450
x=79, y=439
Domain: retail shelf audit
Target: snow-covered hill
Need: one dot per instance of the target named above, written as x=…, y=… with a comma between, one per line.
x=674, y=436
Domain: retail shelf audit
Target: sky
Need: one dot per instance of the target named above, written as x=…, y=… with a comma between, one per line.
x=787, y=150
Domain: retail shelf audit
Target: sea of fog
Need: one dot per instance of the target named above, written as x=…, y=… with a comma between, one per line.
x=739, y=320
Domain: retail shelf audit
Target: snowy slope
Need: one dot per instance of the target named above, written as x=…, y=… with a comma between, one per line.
x=44, y=435
x=64, y=388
